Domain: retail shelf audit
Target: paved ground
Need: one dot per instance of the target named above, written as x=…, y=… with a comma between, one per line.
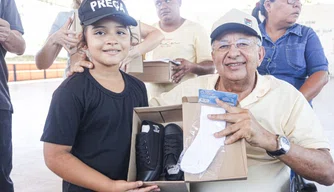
x=31, y=101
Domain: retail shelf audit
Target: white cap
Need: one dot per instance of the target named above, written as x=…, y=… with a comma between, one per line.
x=236, y=20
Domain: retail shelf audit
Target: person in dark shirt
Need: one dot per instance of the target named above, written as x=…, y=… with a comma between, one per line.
x=87, y=134
x=11, y=40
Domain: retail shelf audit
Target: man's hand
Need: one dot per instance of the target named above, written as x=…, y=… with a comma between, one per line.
x=132, y=186
x=181, y=70
x=4, y=30
x=78, y=64
x=242, y=124
x=65, y=37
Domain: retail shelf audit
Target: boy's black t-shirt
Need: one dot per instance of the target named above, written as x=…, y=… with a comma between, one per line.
x=96, y=122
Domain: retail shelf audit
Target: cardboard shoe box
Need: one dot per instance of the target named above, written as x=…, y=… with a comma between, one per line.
x=159, y=71
x=163, y=115
x=234, y=159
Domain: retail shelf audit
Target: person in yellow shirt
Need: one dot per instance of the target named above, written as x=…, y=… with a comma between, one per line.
x=275, y=119
x=185, y=41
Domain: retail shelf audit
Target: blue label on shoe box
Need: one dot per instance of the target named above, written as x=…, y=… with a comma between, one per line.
x=209, y=97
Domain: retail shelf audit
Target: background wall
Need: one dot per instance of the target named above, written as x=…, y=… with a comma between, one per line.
x=38, y=16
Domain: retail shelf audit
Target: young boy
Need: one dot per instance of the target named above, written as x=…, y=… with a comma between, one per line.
x=87, y=133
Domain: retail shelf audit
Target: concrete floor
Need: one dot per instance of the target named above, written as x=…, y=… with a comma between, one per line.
x=31, y=101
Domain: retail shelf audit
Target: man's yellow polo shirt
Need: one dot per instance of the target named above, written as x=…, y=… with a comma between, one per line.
x=280, y=109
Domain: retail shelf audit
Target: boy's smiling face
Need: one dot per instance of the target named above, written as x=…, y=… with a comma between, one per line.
x=108, y=42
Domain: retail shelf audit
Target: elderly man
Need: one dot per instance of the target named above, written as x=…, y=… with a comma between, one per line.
x=280, y=127
x=10, y=40
x=185, y=41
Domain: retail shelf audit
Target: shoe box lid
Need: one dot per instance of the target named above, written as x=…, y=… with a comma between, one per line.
x=165, y=114
x=234, y=166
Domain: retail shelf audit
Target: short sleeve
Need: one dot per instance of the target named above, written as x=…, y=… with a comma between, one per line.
x=63, y=120
x=144, y=93
x=202, y=44
x=12, y=16
x=303, y=126
x=314, y=54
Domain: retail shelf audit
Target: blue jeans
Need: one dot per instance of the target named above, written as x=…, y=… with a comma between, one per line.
x=6, y=184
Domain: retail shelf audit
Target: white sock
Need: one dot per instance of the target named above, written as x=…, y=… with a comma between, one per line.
x=203, y=149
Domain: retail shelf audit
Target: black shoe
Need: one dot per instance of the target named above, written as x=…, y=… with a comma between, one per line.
x=173, y=146
x=149, y=151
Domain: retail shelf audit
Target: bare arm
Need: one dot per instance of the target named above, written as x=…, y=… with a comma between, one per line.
x=49, y=52
x=202, y=68
x=314, y=84
x=313, y=164
x=15, y=43
x=59, y=159
x=11, y=40
x=152, y=38
x=55, y=42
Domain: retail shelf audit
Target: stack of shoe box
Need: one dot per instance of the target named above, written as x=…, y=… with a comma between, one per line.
x=233, y=160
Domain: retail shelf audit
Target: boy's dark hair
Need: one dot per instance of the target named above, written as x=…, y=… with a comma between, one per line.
x=260, y=8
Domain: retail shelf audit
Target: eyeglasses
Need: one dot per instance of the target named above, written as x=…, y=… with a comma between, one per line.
x=292, y=2
x=241, y=44
x=159, y=3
